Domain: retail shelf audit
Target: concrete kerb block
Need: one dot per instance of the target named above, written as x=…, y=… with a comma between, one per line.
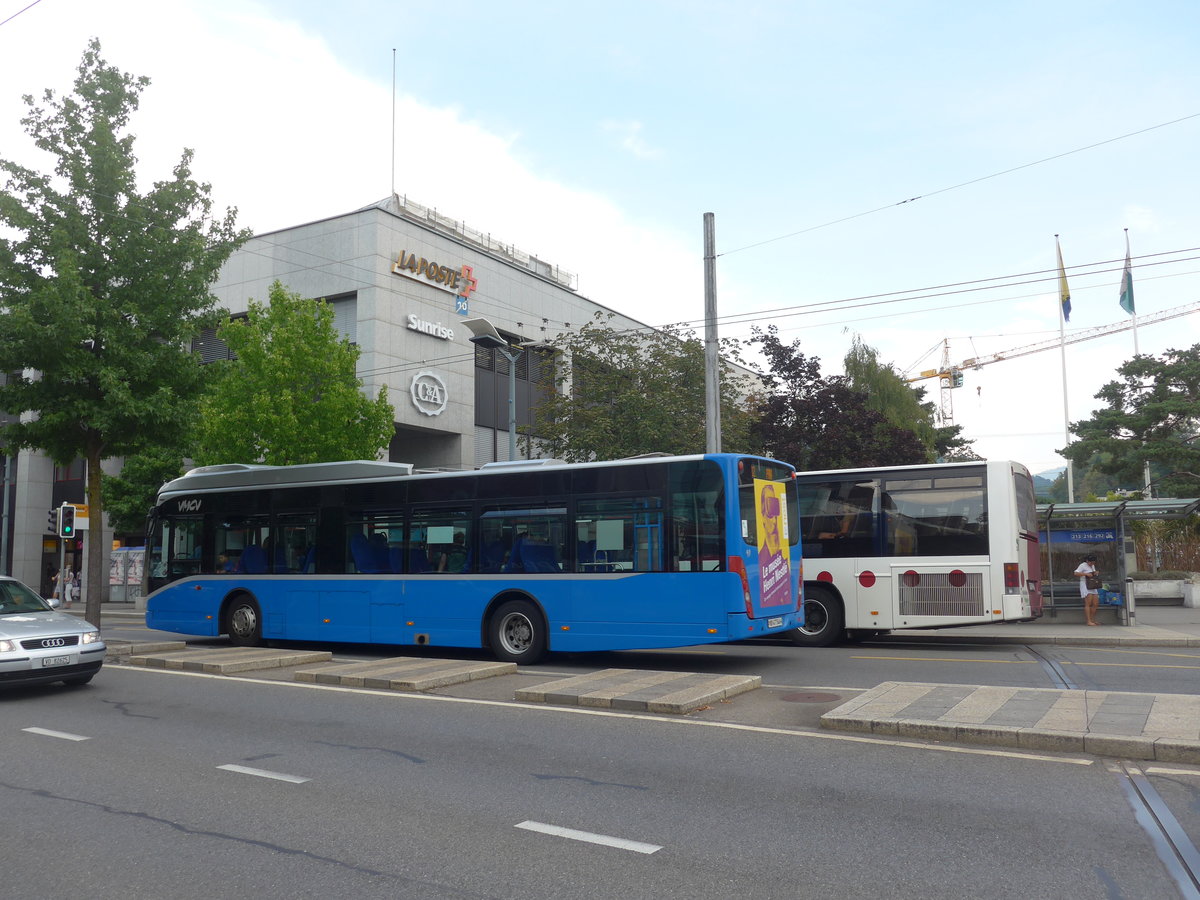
x=994, y=735
x=848, y=722
x=1054, y=741
x=1177, y=751
x=1119, y=745
x=926, y=730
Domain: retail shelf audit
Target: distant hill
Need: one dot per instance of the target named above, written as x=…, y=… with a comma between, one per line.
x=1044, y=480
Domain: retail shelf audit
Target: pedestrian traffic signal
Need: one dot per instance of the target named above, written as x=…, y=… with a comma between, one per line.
x=66, y=521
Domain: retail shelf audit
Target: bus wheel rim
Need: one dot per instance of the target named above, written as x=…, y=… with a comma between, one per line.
x=516, y=632
x=816, y=617
x=243, y=621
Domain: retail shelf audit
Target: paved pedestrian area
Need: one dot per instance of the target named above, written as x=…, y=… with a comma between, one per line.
x=641, y=690
x=1163, y=727
x=404, y=673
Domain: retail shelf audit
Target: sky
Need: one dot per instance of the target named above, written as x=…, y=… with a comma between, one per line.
x=881, y=149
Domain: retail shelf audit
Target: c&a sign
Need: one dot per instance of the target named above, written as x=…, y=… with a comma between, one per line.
x=428, y=393
x=461, y=281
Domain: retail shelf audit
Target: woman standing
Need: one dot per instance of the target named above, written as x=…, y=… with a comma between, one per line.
x=1089, y=584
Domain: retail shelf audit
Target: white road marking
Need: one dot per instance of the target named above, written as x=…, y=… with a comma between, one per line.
x=263, y=773
x=610, y=714
x=590, y=838
x=66, y=736
x=1160, y=770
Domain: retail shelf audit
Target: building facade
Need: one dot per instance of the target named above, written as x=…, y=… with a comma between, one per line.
x=402, y=280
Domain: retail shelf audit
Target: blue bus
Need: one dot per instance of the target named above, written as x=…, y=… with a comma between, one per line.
x=519, y=558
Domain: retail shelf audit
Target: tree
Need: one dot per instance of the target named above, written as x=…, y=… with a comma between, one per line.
x=130, y=495
x=622, y=393
x=290, y=395
x=1152, y=416
x=102, y=287
x=823, y=423
x=888, y=394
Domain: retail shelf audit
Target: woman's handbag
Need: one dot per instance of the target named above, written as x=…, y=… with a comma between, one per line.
x=1092, y=582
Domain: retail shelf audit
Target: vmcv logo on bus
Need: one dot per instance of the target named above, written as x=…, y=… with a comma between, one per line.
x=428, y=393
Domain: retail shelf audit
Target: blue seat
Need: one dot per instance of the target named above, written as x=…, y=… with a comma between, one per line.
x=364, y=557
x=539, y=558
x=253, y=561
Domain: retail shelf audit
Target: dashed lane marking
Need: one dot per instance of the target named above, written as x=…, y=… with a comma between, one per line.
x=63, y=735
x=263, y=773
x=590, y=838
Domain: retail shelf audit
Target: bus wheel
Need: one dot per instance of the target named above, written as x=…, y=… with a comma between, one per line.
x=245, y=623
x=517, y=634
x=824, y=620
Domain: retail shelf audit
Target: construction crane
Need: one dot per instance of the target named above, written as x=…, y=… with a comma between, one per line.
x=951, y=376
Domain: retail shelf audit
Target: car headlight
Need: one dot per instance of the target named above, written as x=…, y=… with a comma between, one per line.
x=7, y=646
x=89, y=637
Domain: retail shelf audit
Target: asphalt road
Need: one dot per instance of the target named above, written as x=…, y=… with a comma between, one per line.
x=125, y=789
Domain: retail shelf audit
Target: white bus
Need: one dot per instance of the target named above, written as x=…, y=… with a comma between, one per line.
x=917, y=547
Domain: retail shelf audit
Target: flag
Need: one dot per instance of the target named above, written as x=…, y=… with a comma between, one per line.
x=1127, y=281
x=1064, y=292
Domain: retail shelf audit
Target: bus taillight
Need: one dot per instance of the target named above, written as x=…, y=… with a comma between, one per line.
x=737, y=565
x=1012, y=578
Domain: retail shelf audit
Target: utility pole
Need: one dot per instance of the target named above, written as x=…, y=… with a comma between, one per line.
x=712, y=384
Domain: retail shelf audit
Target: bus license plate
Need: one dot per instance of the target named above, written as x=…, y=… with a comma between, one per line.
x=56, y=661
x=775, y=623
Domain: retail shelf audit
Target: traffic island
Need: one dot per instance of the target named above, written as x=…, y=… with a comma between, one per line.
x=230, y=661
x=1161, y=727
x=404, y=673
x=638, y=690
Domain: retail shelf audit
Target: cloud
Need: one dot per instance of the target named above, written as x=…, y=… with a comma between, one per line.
x=628, y=135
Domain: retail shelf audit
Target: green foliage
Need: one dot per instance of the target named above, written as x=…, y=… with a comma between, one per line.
x=1152, y=415
x=291, y=394
x=102, y=287
x=888, y=394
x=634, y=392
x=130, y=495
x=818, y=423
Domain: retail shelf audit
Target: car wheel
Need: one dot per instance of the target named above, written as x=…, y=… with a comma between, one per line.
x=824, y=619
x=517, y=633
x=245, y=623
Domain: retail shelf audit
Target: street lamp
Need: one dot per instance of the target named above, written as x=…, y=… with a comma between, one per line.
x=484, y=334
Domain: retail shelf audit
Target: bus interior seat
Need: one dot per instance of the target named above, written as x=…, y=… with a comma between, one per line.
x=364, y=558
x=418, y=559
x=539, y=558
x=253, y=560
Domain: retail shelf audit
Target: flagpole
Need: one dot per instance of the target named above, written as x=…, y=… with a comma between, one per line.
x=1064, y=312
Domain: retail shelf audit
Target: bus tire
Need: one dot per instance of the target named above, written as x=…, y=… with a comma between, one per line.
x=824, y=620
x=244, y=621
x=517, y=632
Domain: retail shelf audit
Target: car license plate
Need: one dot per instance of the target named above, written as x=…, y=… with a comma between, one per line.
x=775, y=622
x=56, y=661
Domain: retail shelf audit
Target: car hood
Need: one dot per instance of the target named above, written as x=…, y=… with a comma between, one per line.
x=17, y=626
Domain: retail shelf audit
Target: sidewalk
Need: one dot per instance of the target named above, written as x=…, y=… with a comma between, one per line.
x=1157, y=626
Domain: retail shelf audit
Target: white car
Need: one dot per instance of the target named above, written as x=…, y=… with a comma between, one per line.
x=39, y=645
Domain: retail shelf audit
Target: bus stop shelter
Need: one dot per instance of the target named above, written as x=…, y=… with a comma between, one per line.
x=1071, y=531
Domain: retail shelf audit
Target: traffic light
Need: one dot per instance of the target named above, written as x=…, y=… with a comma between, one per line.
x=52, y=521
x=66, y=521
